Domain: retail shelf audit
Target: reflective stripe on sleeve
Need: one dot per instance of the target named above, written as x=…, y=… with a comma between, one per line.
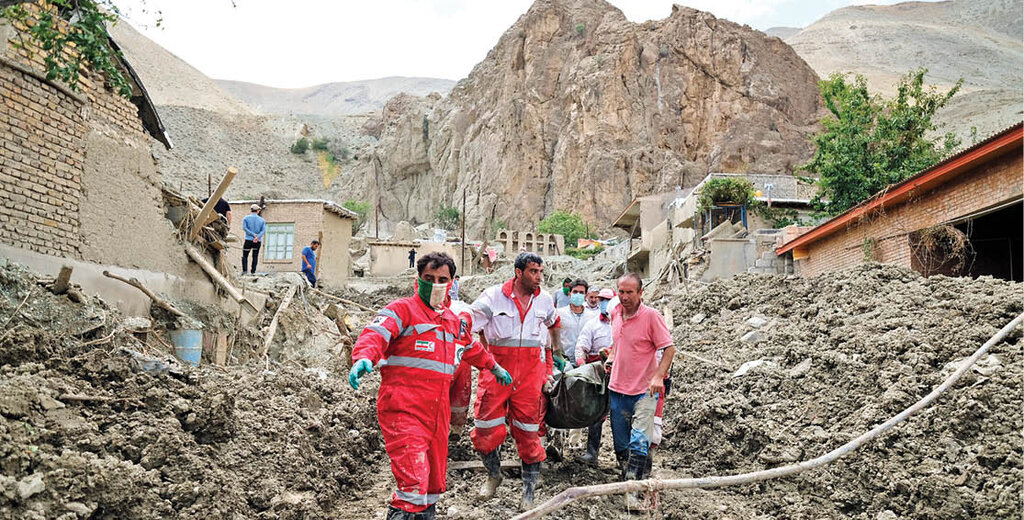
x=382, y=331
x=391, y=314
x=484, y=309
x=490, y=423
x=444, y=336
x=417, y=498
x=425, y=364
x=526, y=427
x=419, y=328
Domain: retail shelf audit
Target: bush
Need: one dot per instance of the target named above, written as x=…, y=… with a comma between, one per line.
x=300, y=146
x=320, y=145
x=719, y=191
x=583, y=254
x=569, y=225
x=359, y=207
x=448, y=218
x=580, y=28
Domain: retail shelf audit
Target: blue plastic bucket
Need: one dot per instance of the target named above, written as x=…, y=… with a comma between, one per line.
x=188, y=345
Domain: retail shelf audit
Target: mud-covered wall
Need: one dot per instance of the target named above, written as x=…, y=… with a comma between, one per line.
x=334, y=255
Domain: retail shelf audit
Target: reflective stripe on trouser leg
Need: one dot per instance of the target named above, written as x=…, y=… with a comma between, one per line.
x=642, y=426
x=489, y=413
x=419, y=464
x=524, y=412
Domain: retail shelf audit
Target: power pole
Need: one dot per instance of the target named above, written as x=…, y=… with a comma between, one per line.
x=463, y=230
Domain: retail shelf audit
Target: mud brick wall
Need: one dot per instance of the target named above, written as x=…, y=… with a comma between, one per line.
x=987, y=186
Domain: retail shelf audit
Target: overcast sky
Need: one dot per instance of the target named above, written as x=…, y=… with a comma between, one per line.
x=300, y=43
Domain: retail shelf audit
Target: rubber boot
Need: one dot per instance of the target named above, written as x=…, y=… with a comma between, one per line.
x=635, y=467
x=492, y=462
x=593, y=444
x=427, y=514
x=396, y=514
x=621, y=457
x=531, y=472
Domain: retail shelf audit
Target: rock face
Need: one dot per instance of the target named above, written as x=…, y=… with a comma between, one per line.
x=577, y=108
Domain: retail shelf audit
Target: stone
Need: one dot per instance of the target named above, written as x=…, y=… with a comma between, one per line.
x=801, y=368
x=48, y=403
x=886, y=515
x=78, y=507
x=752, y=337
x=697, y=318
x=31, y=485
x=750, y=366
x=404, y=232
x=756, y=322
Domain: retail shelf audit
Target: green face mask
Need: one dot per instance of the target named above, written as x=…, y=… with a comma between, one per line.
x=432, y=294
x=565, y=290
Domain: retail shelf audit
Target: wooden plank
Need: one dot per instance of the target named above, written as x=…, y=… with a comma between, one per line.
x=63, y=281
x=319, y=250
x=342, y=300
x=215, y=275
x=204, y=214
x=273, y=322
x=220, y=349
x=475, y=465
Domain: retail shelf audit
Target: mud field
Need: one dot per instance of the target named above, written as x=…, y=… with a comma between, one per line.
x=98, y=425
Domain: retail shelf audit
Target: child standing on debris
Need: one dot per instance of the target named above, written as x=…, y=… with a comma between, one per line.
x=255, y=227
x=309, y=261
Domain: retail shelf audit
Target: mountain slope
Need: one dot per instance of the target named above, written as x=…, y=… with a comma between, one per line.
x=333, y=99
x=977, y=40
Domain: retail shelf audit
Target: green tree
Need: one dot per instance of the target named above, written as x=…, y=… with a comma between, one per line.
x=360, y=208
x=319, y=144
x=568, y=224
x=870, y=142
x=718, y=191
x=300, y=146
x=448, y=218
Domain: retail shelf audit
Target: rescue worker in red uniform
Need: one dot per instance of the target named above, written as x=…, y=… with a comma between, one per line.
x=462, y=383
x=516, y=319
x=414, y=341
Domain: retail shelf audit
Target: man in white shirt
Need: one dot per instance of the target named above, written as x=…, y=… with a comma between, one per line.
x=573, y=317
x=595, y=336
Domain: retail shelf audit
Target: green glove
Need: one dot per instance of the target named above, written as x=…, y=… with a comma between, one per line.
x=359, y=369
x=501, y=375
x=559, y=363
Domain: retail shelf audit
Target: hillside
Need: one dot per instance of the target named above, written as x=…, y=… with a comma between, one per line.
x=577, y=108
x=977, y=40
x=332, y=99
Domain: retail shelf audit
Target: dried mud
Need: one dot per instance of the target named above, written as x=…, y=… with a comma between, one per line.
x=838, y=354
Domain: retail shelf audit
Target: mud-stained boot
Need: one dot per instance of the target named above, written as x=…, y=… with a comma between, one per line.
x=492, y=462
x=427, y=514
x=396, y=514
x=635, y=467
x=593, y=445
x=621, y=457
x=531, y=472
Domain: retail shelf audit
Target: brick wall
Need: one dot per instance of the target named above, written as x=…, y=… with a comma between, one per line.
x=43, y=128
x=986, y=186
x=308, y=218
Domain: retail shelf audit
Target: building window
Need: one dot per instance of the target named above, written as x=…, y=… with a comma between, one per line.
x=280, y=241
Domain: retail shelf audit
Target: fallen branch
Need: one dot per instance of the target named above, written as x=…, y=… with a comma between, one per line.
x=343, y=300
x=100, y=341
x=160, y=302
x=17, y=309
x=215, y=275
x=273, y=322
x=708, y=361
x=572, y=494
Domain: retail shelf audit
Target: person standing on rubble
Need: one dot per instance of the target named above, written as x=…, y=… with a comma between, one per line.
x=309, y=261
x=573, y=317
x=595, y=337
x=254, y=227
x=412, y=258
x=637, y=378
x=515, y=319
x=416, y=341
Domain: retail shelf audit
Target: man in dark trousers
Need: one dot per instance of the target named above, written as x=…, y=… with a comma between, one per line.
x=309, y=261
x=255, y=227
x=412, y=258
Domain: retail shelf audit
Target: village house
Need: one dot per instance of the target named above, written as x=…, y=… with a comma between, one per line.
x=291, y=226
x=391, y=257
x=668, y=226
x=912, y=224
x=544, y=244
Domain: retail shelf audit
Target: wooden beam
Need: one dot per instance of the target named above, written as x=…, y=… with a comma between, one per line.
x=63, y=281
x=343, y=300
x=220, y=349
x=215, y=275
x=160, y=302
x=479, y=465
x=273, y=322
x=204, y=213
x=319, y=250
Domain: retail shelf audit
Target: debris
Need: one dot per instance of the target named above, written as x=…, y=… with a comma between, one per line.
x=273, y=322
x=745, y=368
x=801, y=368
x=697, y=318
x=756, y=322
x=160, y=302
x=207, y=210
x=60, y=285
x=215, y=275
x=31, y=485
x=753, y=336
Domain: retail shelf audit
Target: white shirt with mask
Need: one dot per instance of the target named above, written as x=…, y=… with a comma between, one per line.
x=572, y=324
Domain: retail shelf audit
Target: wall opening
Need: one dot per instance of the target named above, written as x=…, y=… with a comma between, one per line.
x=991, y=244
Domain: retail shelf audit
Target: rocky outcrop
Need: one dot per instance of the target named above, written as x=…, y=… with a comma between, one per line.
x=578, y=108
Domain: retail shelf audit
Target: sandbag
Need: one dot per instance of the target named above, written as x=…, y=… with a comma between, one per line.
x=579, y=398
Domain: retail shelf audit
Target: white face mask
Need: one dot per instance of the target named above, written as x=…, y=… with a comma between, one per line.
x=438, y=294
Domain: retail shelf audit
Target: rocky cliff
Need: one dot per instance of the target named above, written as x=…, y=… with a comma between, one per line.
x=578, y=108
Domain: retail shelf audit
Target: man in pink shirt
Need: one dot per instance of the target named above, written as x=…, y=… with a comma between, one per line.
x=638, y=378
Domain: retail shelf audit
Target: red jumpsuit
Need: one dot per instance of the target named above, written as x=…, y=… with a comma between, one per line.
x=462, y=382
x=515, y=333
x=418, y=354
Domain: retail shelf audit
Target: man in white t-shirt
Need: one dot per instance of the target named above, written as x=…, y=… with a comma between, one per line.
x=573, y=317
x=595, y=337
